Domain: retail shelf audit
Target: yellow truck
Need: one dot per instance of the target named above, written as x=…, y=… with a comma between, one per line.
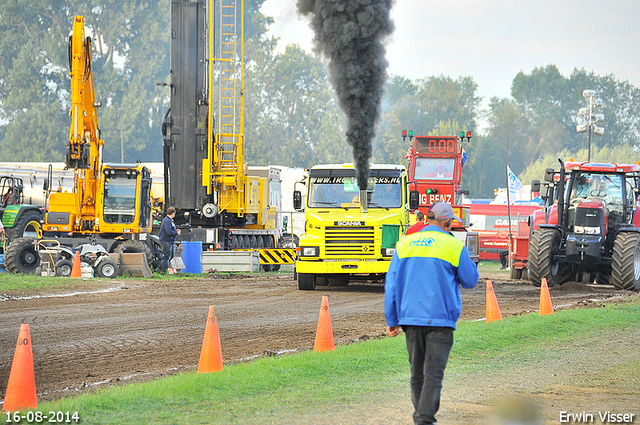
x=346, y=238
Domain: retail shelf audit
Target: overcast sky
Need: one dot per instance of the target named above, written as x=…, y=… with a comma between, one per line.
x=493, y=40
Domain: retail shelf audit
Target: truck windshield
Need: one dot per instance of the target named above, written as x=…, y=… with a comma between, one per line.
x=343, y=192
x=434, y=169
x=120, y=199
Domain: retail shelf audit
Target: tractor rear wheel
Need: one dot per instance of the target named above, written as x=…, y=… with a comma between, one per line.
x=625, y=262
x=26, y=226
x=21, y=256
x=542, y=262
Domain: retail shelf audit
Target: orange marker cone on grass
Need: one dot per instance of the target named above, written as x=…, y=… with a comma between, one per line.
x=211, y=353
x=546, y=307
x=493, y=310
x=21, y=389
x=324, y=333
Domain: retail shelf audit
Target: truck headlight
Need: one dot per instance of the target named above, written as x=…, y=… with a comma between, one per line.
x=309, y=251
x=388, y=252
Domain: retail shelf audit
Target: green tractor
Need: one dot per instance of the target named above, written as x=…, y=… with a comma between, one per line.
x=19, y=219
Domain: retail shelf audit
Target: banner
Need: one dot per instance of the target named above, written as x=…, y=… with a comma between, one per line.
x=513, y=182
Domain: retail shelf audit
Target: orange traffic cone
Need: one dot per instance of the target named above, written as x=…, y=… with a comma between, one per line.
x=546, y=307
x=76, y=271
x=21, y=389
x=493, y=310
x=211, y=353
x=324, y=333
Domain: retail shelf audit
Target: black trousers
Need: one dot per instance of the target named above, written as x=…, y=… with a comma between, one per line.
x=429, y=349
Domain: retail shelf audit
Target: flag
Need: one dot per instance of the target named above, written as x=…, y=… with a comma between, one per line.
x=464, y=157
x=513, y=181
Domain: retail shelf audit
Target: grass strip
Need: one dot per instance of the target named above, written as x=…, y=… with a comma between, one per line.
x=274, y=389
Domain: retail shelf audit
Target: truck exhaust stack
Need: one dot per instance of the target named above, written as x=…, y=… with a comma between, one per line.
x=363, y=200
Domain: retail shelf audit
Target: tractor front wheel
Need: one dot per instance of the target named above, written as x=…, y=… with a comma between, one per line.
x=542, y=262
x=21, y=256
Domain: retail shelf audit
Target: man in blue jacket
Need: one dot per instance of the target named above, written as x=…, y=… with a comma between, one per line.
x=422, y=295
x=168, y=234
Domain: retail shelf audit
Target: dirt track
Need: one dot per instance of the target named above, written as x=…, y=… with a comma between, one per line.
x=127, y=330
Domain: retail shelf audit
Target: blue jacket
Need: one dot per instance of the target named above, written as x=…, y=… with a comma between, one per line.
x=422, y=286
x=168, y=231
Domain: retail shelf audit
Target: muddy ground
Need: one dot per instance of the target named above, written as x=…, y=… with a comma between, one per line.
x=90, y=335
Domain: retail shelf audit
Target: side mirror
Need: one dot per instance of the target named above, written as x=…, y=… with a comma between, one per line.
x=45, y=186
x=535, y=185
x=297, y=200
x=548, y=174
x=414, y=200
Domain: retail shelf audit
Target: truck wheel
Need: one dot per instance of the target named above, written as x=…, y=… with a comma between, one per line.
x=306, y=281
x=107, y=269
x=625, y=262
x=64, y=268
x=21, y=256
x=26, y=226
x=542, y=263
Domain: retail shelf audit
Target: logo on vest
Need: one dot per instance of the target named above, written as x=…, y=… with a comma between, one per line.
x=424, y=242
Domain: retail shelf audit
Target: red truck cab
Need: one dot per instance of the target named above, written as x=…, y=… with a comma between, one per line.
x=435, y=171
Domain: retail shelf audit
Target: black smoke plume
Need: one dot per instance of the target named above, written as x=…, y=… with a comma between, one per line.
x=349, y=33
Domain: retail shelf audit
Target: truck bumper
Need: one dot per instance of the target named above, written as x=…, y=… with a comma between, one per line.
x=342, y=267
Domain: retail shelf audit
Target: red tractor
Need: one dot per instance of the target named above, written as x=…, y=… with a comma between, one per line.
x=435, y=171
x=590, y=228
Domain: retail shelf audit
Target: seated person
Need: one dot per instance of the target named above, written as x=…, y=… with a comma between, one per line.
x=388, y=195
x=440, y=172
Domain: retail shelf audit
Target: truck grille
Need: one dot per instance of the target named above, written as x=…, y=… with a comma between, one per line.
x=355, y=241
x=591, y=217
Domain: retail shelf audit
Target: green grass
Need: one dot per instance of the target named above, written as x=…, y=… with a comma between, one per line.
x=491, y=266
x=282, y=388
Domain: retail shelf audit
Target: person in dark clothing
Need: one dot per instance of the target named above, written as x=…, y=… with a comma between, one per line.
x=168, y=234
x=504, y=262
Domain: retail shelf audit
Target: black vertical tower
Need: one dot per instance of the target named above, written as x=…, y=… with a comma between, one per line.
x=185, y=127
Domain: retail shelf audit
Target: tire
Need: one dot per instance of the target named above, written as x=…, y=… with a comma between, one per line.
x=625, y=262
x=64, y=268
x=542, y=263
x=107, y=268
x=306, y=281
x=515, y=273
x=602, y=278
x=21, y=256
x=131, y=245
x=26, y=226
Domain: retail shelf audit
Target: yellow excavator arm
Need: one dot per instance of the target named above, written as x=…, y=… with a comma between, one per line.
x=85, y=146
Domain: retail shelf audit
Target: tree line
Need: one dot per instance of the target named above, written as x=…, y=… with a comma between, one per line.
x=291, y=114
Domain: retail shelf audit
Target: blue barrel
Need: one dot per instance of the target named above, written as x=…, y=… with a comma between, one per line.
x=192, y=257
